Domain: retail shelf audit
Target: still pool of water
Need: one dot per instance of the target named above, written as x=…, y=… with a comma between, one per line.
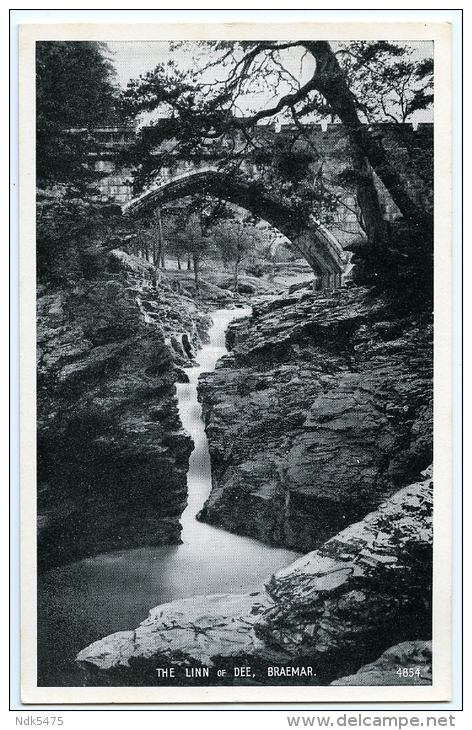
x=84, y=601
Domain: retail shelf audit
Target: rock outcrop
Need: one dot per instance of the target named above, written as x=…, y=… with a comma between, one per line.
x=112, y=456
x=332, y=610
x=322, y=409
x=364, y=589
x=400, y=664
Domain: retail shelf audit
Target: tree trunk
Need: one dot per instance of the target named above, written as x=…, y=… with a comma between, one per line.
x=159, y=258
x=236, y=276
x=373, y=222
x=156, y=243
x=146, y=250
x=196, y=269
x=329, y=80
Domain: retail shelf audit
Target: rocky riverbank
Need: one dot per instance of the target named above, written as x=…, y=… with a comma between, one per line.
x=112, y=456
x=319, y=416
x=322, y=409
x=363, y=597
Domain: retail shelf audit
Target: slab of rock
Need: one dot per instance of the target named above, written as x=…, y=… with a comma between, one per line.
x=200, y=627
x=200, y=630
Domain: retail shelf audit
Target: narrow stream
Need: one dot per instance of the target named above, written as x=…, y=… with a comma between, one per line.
x=84, y=601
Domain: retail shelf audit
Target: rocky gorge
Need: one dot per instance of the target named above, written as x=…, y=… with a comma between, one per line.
x=112, y=455
x=322, y=408
x=319, y=423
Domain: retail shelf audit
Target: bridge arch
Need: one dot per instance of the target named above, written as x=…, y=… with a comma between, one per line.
x=329, y=261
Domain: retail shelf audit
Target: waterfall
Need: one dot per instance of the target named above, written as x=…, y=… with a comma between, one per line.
x=190, y=411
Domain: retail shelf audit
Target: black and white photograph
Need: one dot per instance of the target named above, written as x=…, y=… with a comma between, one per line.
x=236, y=362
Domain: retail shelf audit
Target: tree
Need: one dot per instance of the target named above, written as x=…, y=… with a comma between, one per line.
x=390, y=82
x=193, y=237
x=198, y=111
x=72, y=236
x=74, y=93
x=234, y=241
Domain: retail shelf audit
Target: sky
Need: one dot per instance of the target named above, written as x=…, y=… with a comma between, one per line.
x=134, y=58
x=131, y=58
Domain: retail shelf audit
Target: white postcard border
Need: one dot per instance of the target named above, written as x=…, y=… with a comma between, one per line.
x=441, y=688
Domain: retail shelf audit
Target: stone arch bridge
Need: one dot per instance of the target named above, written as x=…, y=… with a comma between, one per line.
x=329, y=261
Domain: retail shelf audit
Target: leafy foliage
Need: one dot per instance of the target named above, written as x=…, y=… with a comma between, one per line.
x=74, y=93
x=389, y=81
x=72, y=235
x=234, y=240
x=296, y=81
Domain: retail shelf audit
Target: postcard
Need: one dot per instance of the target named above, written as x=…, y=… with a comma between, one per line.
x=235, y=399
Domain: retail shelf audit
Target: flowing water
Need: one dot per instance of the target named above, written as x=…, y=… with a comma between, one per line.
x=84, y=601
